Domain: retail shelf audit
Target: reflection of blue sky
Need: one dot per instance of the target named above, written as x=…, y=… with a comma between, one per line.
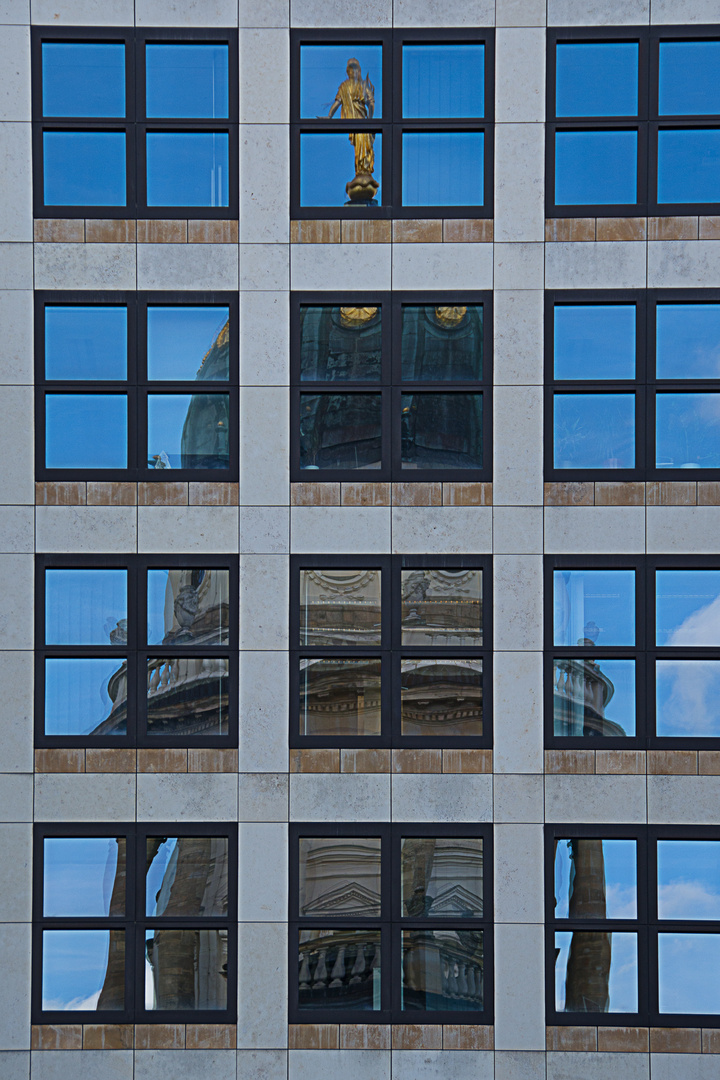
x=623, y=972
x=443, y=80
x=179, y=338
x=680, y=95
x=595, y=167
x=689, y=165
x=688, y=431
x=187, y=168
x=86, y=431
x=620, y=861
x=100, y=181
x=688, y=698
x=688, y=341
x=78, y=875
x=324, y=67
x=597, y=79
x=594, y=431
x=76, y=697
x=688, y=966
x=688, y=879
x=85, y=342
x=442, y=168
x=83, y=606
x=186, y=80
x=687, y=607
x=74, y=968
x=327, y=164
x=594, y=341
x=599, y=601
x=166, y=857
x=166, y=418
x=621, y=708
x=83, y=79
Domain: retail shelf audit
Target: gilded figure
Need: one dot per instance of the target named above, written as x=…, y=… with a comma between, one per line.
x=356, y=100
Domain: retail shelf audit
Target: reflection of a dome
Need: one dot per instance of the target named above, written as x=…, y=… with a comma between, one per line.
x=581, y=694
x=205, y=442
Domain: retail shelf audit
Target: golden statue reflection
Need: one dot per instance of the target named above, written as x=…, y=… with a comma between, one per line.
x=356, y=100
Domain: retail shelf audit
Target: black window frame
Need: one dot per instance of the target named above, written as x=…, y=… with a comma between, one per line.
x=647, y=123
x=136, y=387
x=390, y=386
x=135, y=922
x=135, y=651
x=390, y=651
x=390, y=923
x=136, y=123
x=391, y=124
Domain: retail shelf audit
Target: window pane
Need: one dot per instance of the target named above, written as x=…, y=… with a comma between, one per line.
x=442, y=969
x=85, y=607
x=86, y=696
x=597, y=79
x=339, y=607
x=340, y=343
x=84, y=876
x=188, y=607
x=86, y=431
x=689, y=78
x=188, y=343
x=83, y=79
x=330, y=161
x=100, y=181
x=595, y=879
x=595, y=167
x=442, y=343
x=340, y=697
x=687, y=431
x=340, y=431
x=86, y=343
x=188, y=431
x=689, y=166
x=443, y=80
x=441, y=877
x=187, y=696
x=594, y=607
x=688, y=879
x=339, y=876
x=441, y=431
x=186, y=875
x=442, y=607
x=594, y=341
x=187, y=168
x=326, y=84
x=687, y=698
x=688, y=966
x=443, y=168
x=593, y=431
x=186, y=969
x=441, y=697
x=186, y=80
x=596, y=972
x=339, y=969
x=83, y=970
x=688, y=607
x=594, y=698
x=687, y=341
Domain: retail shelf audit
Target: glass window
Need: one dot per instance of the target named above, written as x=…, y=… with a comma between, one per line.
x=595, y=879
x=86, y=342
x=326, y=167
x=594, y=697
x=186, y=80
x=340, y=607
x=688, y=879
x=442, y=344
x=596, y=972
x=76, y=875
x=186, y=876
x=83, y=79
x=100, y=181
x=340, y=431
x=593, y=431
x=597, y=79
x=441, y=698
x=86, y=431
x=594, y=341
x=189, y=431
x=688, y=165
x=82, y=607
x=687, y=701
x=442, y=607
x=689, y=78
x=687, y=431
x=83, y=971
x=187, y=168
x=188, y=606
x=443, y=80
x=687, y=341
x=339, y=876
x=85, y=696
x=443, y=168
x=340, y=344
x=180, y=343
x=441, y=431
x=340, y=697
x=341, y=81
x=595, y=167
x=687, y=973
x=345, y=968
x=688, y=608
x=594, y=607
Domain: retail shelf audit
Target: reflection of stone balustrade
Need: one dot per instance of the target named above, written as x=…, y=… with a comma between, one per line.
x=340, y=970
x=437, y=971
x=166, y=673
x=581, y=693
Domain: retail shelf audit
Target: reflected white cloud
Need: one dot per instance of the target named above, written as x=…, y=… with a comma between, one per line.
x=688, y=899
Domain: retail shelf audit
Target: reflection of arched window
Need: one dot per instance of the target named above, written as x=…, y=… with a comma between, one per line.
x=442, y=343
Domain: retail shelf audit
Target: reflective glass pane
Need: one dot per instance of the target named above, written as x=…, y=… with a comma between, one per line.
x=687, y=698
x=339, y=607
x=83, y=970
x=442, y=607
x=85, y=696
x=597, y=79
x=689, y=78
x=594, y=607
x=339, y=876
x=340, y=697
x=340, y=431
x=187, y=168
x=441, y=697
x=188, y=343
x=443, y=80
x=594, y=341
x=86, y=343
x=85, y=607
x=687, y=607
x=186, y=875
x=344, y=81
x=340, y=344
x=688, y=879
x=596, y=972
x=186, y=969
x=689, y=166
x=687, y=434
x=441, y=877
x=593, y=431
x=188, y=607
x=339, y=969
x=593, y=698
x=186, y=80
x=83, y=78
x=442, y=969
x=84, y=168
x=84, y=876
x=595, y=879
x=443, y=168
x=329, y=162
x=187, y=696
x=188, y=431
x=688, y=341
x=595, y=167
x=86, y=431
x=441, y=431
x=688, y=966
x=442, y=343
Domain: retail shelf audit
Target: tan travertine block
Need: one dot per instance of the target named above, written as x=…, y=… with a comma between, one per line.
x=162, y=760
x=623, y=1040
x=369, y=494
x=60, y=493
x=709, y=228
x=672, y=228
x=468, y=1037
x=675, y=1040
x=407, y=493
x=468, y=230
x=110, y=231
x=466, y=493
x=161, y=231
x=671, y=493
x=467, y=761
x=618, y=228
x=57, y=1037
x=709, y=762
x=169, y=493
x=220, y=759
x=620, y=762
x=59, y=231
x=571, y=1038
x=111, y=760
x=559, y=230
x=212, y=232
x=108, y=1036
x=711, y=1040
x=210, y=1036
x=317, y=761
x=569, y=493
x=310, y=494
x=213, y=493
x=417, y=761
x=708, y=493
x=417, y=231
x=314, y=232
x=159, y=1036
x=610, y=493
x=54, y=759
x=365, y=761
x=364, y=1036
x=569, y=761
x=365, y=232
x=417, y=1037
x=313, y=1036
x=672, y=762
x=110, y=493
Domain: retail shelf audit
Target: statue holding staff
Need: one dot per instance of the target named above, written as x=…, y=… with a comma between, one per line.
x=356, y=100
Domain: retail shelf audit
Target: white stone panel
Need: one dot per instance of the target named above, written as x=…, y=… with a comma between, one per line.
x=268, y=14
x=265, y=530
x=687, y=1066
x=429, y=530
x=16, y=267
x=340, y=266
x=15, y=73
x=519, y=895
x=340, y=529
x=594, y=529
x=517, y=712
x=683, y=800
x=262, y=1065
x=520, y=12
x=611, y=265
x=186, y=266
x=190, y=1065
x=83, y=12
x=15, y=1064
x=520, y=76
x=89, y=266
x=88, y=529
x=188, y=529
x=16, y=219
x=85, y=797
x=519, y=987
x=517, y=445
x=186, y=13
x=16, y=797
x=517, y=530
x=591, y=799
x=17, y=529
x=15, y=951
x=683, y=264
x=685, y=11
x=680, y=529
x=16, y=319
x=264, y=712
x=517, y=589
x=520, y=200
x=265, y=267
x=14, y=11
x=571, y=1066
x=598, y=12
x=325, y=13
x=16, y=709
x=444, y=13
x=440, y=1064
x=339, y=796
x=16, y=880
x=518, y=349
x=263, y=602
x=265, y=81
x=263, y=885
x=264, y=189
x=519, y=1065
x=264, y=445
x=186, y=797
x=262, y=964
x=518, y=799
x=442, y=266
x=16, y=601
x=264, y=356
x=519, y=266
x=263, y=796
x=441, y=797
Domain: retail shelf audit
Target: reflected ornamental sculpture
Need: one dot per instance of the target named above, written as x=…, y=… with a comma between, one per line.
x=356, y=100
